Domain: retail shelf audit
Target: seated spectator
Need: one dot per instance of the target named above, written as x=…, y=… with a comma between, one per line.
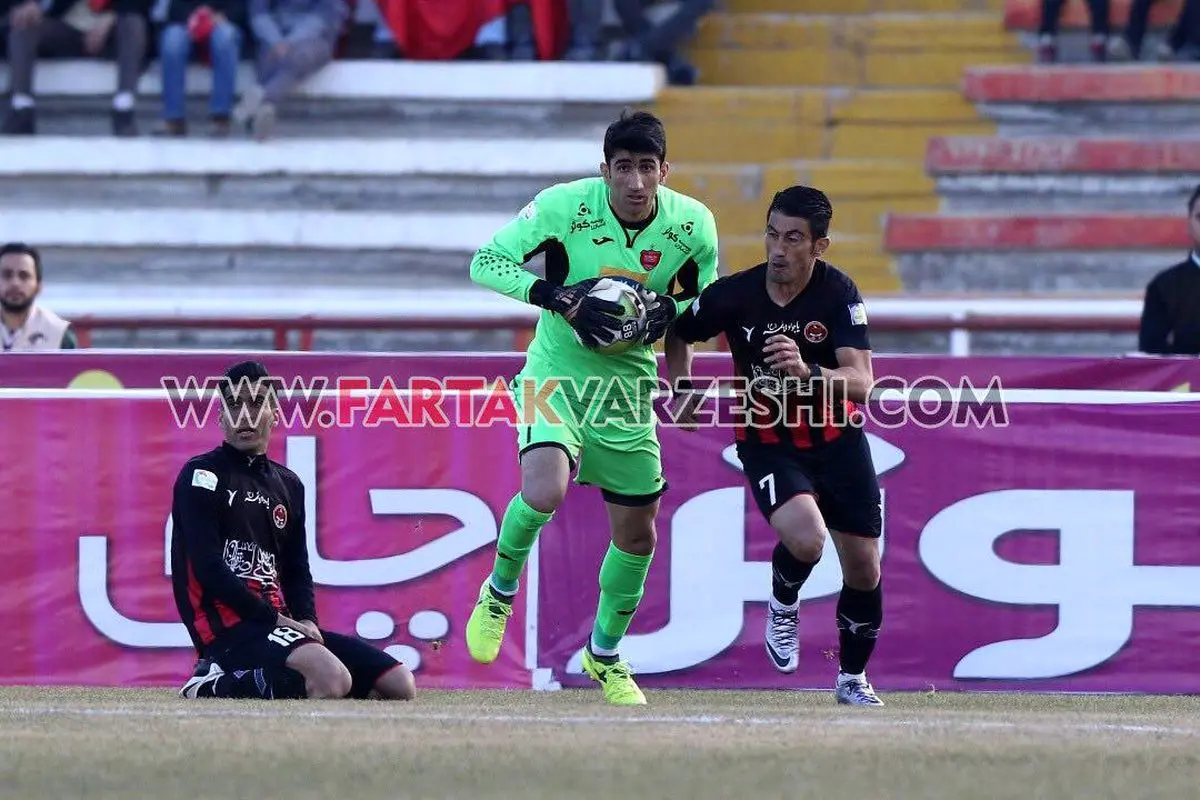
x=1182, y=42
x=26, y=324
x=211, y=27
x=1048, y=32
x=494, y=30
x=586, y=20
x=295, y=39
x=661, y=43
x=73, y=29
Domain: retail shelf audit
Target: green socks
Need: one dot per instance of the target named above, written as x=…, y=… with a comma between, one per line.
x=622, y=580
x=622, y=575
x=518, y=531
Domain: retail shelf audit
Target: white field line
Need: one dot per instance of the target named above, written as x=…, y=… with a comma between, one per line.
x=291, y=711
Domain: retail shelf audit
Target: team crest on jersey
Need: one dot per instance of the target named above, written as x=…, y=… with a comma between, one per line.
x=279, y=516
x=650, y=258
x=815, y=332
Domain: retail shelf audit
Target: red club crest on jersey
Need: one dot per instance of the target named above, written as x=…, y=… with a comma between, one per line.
x=815, y=332
x=650, y=258
x=279, y=515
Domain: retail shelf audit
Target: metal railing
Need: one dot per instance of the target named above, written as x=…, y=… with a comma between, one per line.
x=301, y=330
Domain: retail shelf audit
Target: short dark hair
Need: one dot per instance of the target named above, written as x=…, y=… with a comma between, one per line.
x=637, y=132
x=1192, y=201
x=252, y=372
x=806, y=203
x=22, y=249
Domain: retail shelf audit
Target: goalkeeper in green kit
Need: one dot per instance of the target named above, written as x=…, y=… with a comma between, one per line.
x=624, y=225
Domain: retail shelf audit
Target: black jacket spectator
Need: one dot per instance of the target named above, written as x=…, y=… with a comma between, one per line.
x=1171, y=313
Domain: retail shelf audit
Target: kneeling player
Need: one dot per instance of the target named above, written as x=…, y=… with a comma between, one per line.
x=797, y=329
x=242, y=583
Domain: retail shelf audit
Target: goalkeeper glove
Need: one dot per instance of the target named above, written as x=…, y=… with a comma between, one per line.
x=660, y=313
x=596, y=321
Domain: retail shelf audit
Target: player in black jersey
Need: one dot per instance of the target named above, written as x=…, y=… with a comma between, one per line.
x=797, y=330
x=242, y=583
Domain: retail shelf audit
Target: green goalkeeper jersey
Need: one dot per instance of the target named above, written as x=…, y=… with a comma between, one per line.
x=674, y=253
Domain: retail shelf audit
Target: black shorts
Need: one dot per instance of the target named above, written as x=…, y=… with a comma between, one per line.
x=841, y=476
x=252, y=645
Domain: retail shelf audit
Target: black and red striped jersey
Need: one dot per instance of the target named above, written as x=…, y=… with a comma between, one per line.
x=828, y=314
x=238, y=547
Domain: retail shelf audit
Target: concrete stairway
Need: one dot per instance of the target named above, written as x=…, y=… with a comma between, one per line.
x=840, y=94
x=1084, y=190
x=387, y=177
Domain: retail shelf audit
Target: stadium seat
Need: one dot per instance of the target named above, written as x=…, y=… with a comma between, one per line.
x=1047, y=204
x=840, y=94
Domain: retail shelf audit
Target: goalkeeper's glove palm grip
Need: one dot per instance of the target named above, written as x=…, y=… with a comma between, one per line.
x=596, y=321
x=660, y=313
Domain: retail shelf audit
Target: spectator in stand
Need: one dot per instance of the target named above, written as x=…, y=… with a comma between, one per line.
x=1048, y=32
x=661, y=43
x=1171, y=311
x=210, y=29
x=494, y=30
x=73, y=29
x=1182, y=41
x=26, y=324
x=586, y=18
x=295, y=38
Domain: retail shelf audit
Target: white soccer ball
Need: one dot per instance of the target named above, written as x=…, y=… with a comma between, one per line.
x=633, y=318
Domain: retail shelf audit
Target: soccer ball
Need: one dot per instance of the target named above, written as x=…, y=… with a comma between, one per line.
x=633, y=320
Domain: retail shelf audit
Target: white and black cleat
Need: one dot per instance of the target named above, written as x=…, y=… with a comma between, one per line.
x=203, y=681
x=854, y=690
x=783, y=638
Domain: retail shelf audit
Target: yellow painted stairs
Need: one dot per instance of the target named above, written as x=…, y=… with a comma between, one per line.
x=838, y=94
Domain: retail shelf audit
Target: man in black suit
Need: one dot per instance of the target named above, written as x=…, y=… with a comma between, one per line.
x=1171, y=313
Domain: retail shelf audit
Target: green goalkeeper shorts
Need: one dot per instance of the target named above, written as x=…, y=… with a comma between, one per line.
x=618, y=454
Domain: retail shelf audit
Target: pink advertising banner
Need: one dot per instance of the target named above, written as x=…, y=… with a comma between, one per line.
x=400, y=525
x=1056, y=552
x=147, y=369
x=1060, y=552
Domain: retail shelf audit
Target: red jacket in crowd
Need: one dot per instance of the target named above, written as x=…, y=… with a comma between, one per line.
x=444, y=29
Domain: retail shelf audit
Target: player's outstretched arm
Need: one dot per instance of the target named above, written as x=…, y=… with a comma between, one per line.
x=500, y=264
x=195, y=519
x=540, y=227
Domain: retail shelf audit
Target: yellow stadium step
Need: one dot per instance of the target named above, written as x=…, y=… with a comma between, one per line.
x=723, y=124
x=932, y=68
x=742, y=252
x=859, y=6
x=822, y=66
x=849, y=179
x=907, y=32
x=873, y=140
x=903, y=106
x=910, y=32
x=706, y=124
x=861, y=191
x=860, y=257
